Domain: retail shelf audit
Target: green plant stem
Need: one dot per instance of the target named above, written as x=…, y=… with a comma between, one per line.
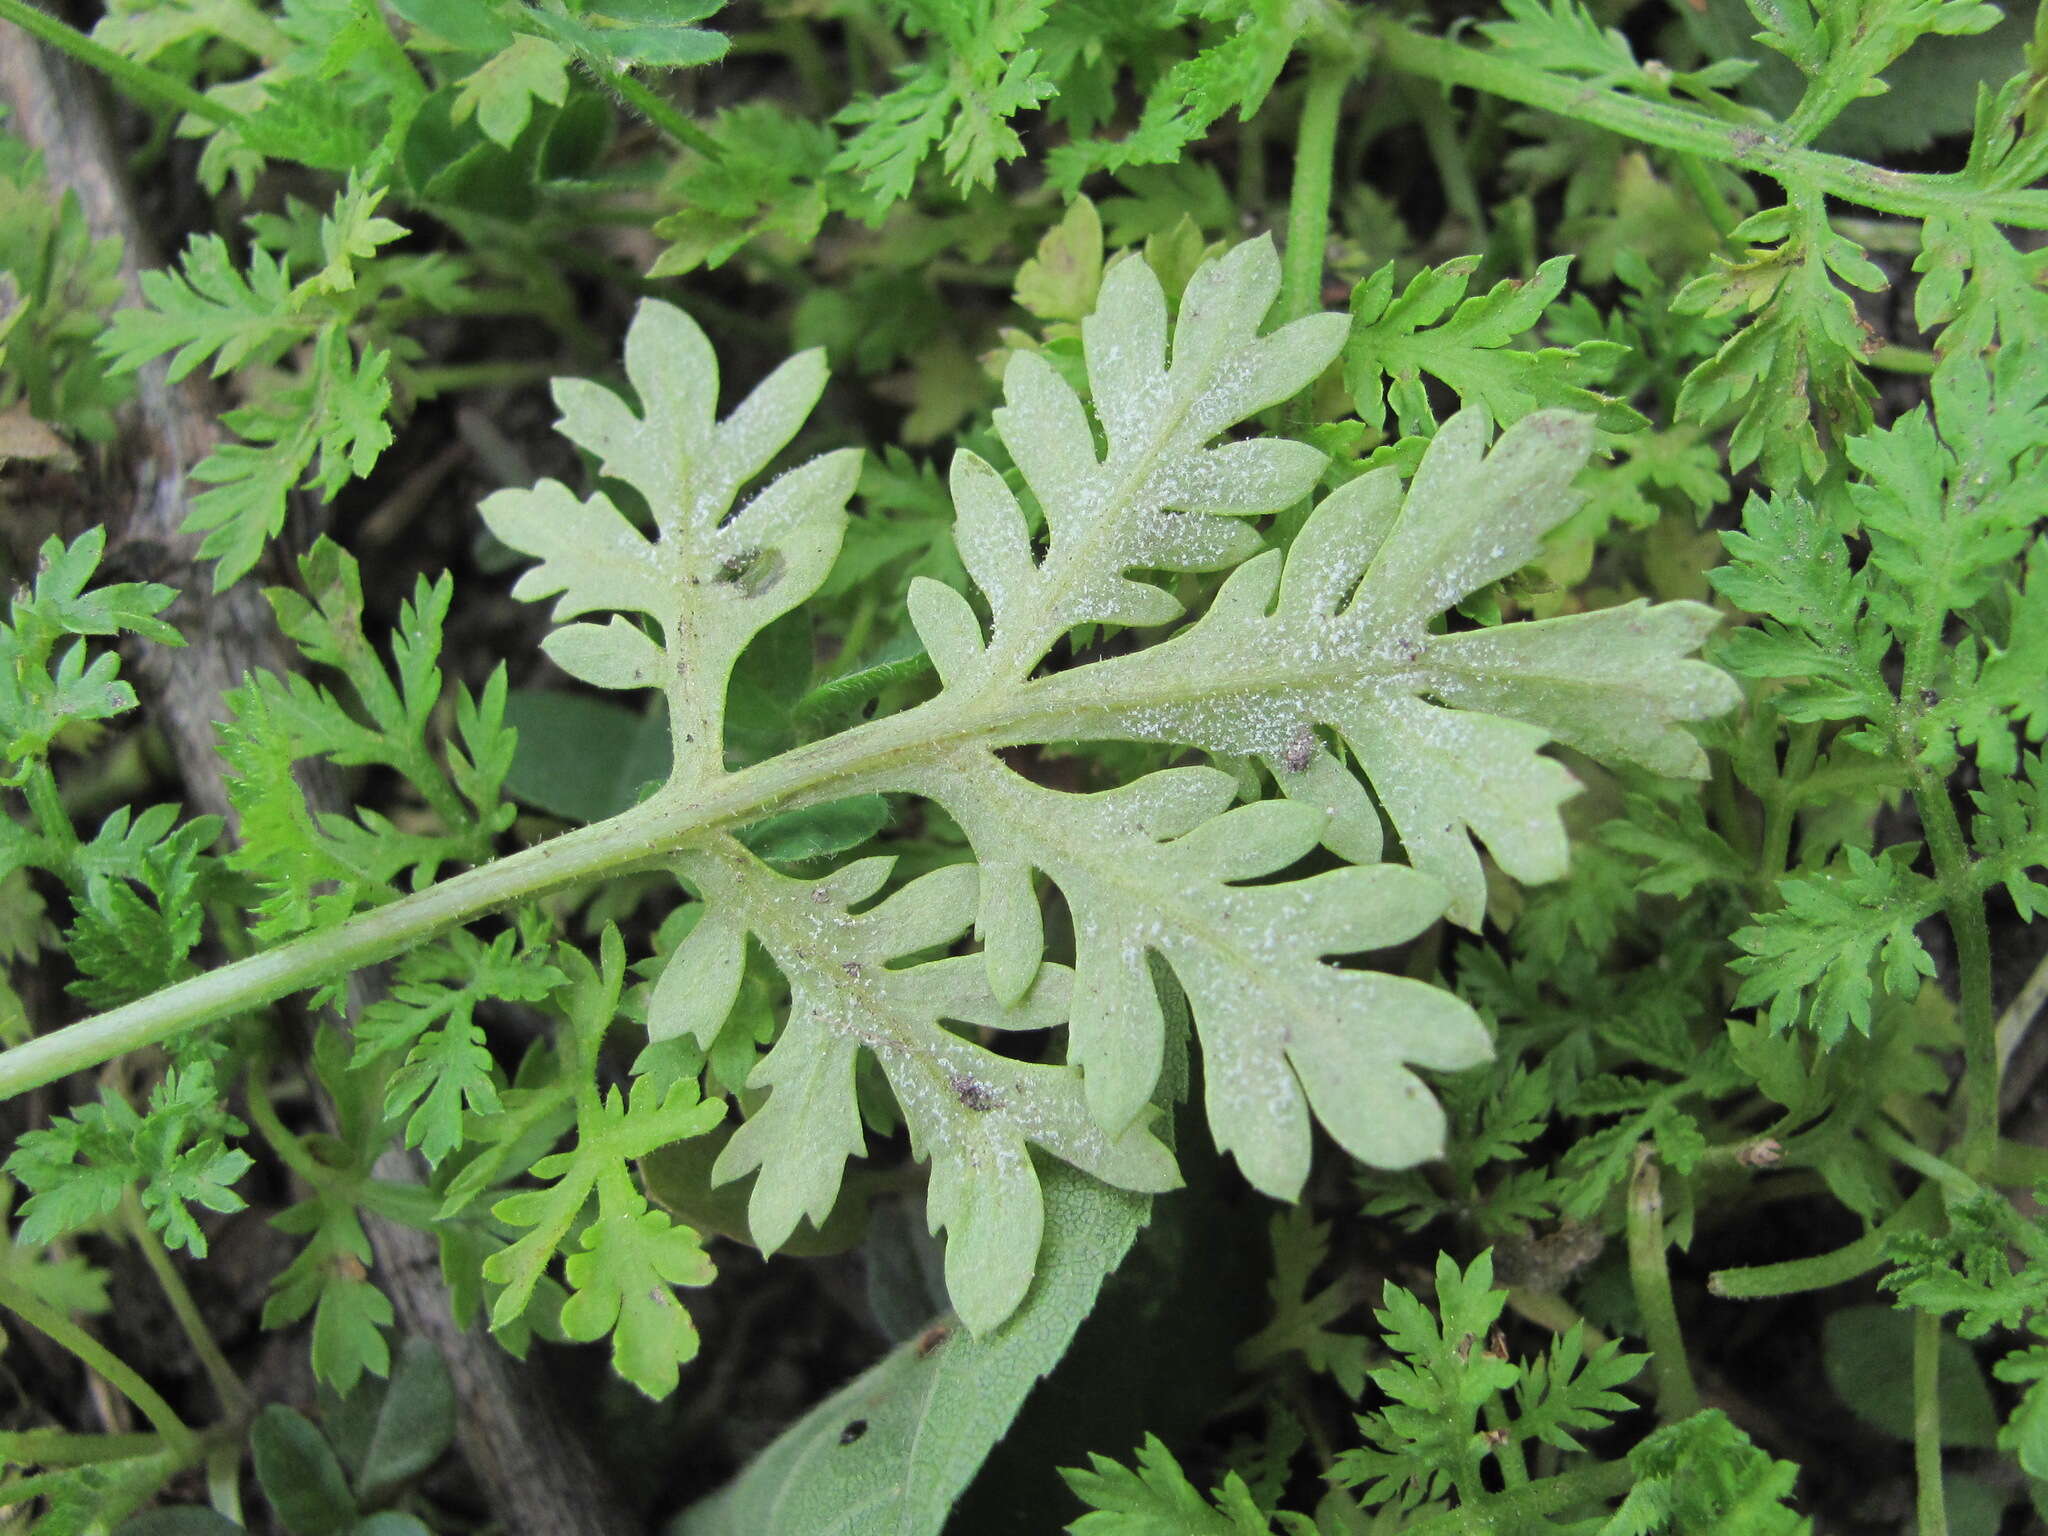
x=656, y=111
x=290, y=1150
x=52, y=820
x=1507, y=1451
x=1308, y=202
x=426, y=383
x=227, y=1386
x=1251, y=163
x=1893, y=358
x=2023, y=1234
x=2020, y=1013
x=68, y=1448
x=640, y=838
x=1677, y=1396
x=137, y=79
x=1547, y=1309
x=95, y=1356
x=1453, y=164
x=1308, y=234
x=1800, y=752
x=1712, y=203
x=1696, y=133
x=1917, y=1214
x=1933, y=1508
x=363, y=940
x=1964, y=904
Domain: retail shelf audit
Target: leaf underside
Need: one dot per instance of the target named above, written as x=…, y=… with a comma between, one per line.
x=1328, y=660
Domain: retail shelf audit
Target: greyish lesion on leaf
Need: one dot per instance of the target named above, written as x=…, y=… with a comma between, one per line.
x=1154, y=867
x=710, y=578
x=1158, y=497
x=1447, y=728
x=973, y=1113
x=1329, y=659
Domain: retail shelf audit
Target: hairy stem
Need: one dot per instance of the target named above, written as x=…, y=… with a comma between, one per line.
x=1692, y=132
x=362, y=940
x=1964, y=904
x=1792, y=1276
x=290, y=1149
x=656, y=111
x=499, y=373
x=69, y=1448
x=1507, y=1451
x=136, y=79
x=642, y=837
x=1308, y=202
x=52, y=820
x=96, y=1357
x=1677, y=1396
x=227, y=1386
x=2025, y=1235
x=1933, y=1508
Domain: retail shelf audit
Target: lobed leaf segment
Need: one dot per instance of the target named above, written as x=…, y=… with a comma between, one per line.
x=1327, y=661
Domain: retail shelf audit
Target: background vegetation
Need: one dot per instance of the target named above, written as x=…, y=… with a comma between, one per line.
x=1596, y=687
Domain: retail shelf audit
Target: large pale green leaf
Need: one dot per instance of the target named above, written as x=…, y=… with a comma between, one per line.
x=972, y=1113
x=1448, y=727
x=1151, y=868
x=1330, y=659
x=891, y=1452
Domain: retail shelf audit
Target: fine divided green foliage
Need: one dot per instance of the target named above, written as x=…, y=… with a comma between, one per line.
x=1449, y=1372
x=1207, y=659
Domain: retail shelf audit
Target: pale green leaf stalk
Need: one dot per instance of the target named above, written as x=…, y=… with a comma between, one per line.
x=1329, y=654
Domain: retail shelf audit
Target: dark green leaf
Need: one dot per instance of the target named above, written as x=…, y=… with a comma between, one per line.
x=581, y=758
x=414, y=1425
x=1867, y=1353
x=300, y=1474
x=817, y=831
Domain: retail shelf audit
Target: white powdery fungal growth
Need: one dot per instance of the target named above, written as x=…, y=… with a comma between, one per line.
x=1153, y=868
x=1320, y=660
x=1160, y=497
x=973, y=1114
x=1448, y=728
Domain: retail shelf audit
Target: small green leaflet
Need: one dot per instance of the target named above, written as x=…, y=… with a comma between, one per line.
x=79, y=1166
x=630, y=1256
x=1471, y=349
x=427, y=1020
x=1796, y=369
x=958, y=99
x=1155, y=1498
x=328, y=1277
x=1446, y=1371
x=1301, y=1246
x=37, y=700
x=315, y=870
x=1833, y=926
x=324, y=424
